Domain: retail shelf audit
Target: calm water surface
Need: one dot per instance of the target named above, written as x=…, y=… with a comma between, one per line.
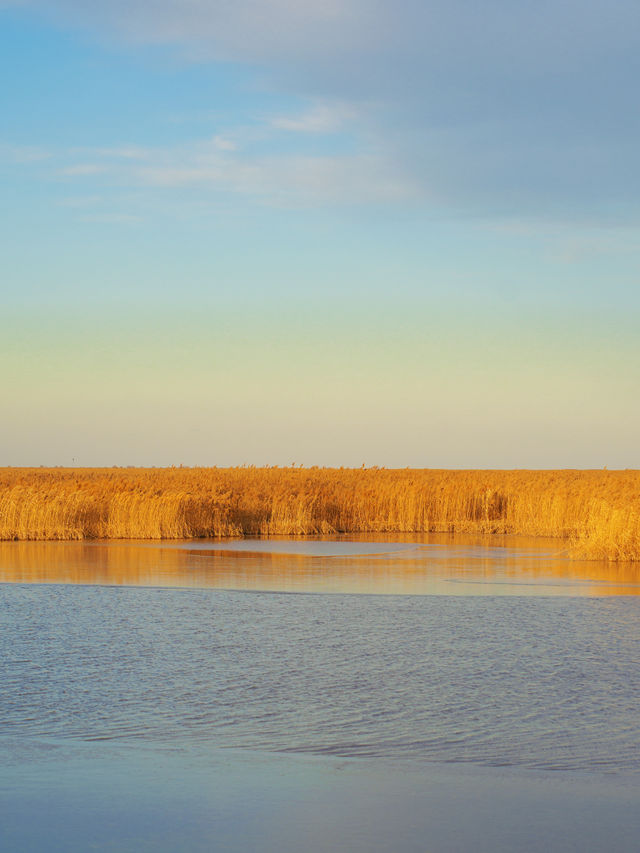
x=168, y=698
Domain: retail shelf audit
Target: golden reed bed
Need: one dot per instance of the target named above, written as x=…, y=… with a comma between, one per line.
x=596, y=512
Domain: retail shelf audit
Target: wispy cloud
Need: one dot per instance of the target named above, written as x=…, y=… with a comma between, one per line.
x=288, y=180
x=511, y=108
x=223, y=144
x=245, y=28
x=294, y=180
x=249, y=162
x=81, y=202
x=124, y=152
x=321, y=118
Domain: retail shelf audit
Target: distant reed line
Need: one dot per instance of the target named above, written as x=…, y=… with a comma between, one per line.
x=597, y=513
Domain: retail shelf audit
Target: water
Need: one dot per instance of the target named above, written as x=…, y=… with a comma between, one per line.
x=357, y=721
x=546, y=683
x=403, y=565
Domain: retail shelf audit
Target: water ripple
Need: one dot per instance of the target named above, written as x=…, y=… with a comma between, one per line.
x=535, y=682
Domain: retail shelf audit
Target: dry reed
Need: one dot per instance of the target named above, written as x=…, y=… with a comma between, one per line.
x=596, y=512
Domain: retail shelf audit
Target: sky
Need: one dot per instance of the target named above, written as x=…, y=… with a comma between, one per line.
x=337, y=233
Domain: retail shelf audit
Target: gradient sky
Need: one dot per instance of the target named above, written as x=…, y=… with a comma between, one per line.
x=331, y=233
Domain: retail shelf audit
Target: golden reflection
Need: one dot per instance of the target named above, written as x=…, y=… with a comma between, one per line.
x=446, y=565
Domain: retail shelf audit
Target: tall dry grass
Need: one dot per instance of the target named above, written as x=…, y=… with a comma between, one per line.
x=596, y=512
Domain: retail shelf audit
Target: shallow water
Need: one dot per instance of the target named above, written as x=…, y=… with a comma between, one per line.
x=136, y=714
x=407, y=565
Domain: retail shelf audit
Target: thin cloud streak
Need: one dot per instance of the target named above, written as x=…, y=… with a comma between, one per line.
x=235, y=161
x=280, y=180
x=321, y=118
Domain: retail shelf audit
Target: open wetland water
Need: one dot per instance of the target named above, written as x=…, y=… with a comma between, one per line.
x=371, y=693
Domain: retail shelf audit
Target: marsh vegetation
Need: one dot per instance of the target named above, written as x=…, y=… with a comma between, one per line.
x=596, y=513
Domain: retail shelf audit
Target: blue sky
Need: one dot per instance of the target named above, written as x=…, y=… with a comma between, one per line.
x=337, y=233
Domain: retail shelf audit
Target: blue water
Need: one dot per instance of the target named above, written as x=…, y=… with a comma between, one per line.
x=548, y=683
x=205, y=719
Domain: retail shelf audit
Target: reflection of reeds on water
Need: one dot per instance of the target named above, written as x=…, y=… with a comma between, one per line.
x=453, y=567
x=598, y=512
